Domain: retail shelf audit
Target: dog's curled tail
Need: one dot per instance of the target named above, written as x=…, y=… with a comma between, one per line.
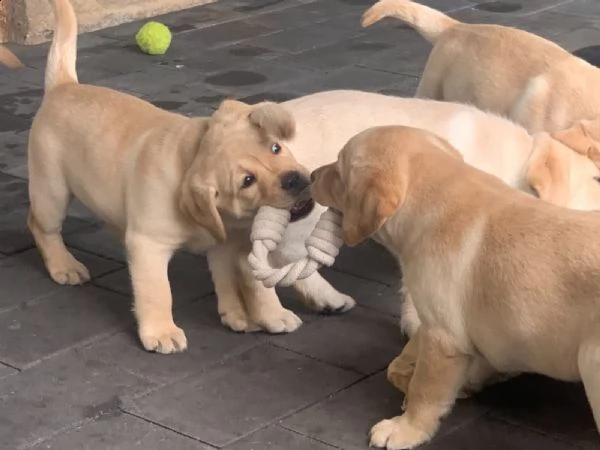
x=62, y=58
x=9, y=59
x=428, y=22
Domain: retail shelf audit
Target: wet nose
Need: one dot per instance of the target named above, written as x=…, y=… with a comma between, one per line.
x=294, y=181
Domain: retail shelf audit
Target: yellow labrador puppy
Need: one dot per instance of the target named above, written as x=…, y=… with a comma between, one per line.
x=501, y=69
x=162, y=181
x=498, y=278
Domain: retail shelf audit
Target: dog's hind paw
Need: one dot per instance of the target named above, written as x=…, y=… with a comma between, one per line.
x=333, y=304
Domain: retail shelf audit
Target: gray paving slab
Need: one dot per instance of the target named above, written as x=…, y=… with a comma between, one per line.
x=494, y=434
x=13, y=157
x=584, y=8
x=16, y=237
x=297, y=40
x=361, y=78
x=516, y=9
x=551, y=407
x=242, y=394
x=344, y=419
x=14, y=193
x=6, y=371
x=255, y=79
x=381, y=266
x=579, y=38
x=346, y=53
x=277, y=438
x=361, y=340
x=66, y=318
x=120, y=432
x=25, y=281
x=64, y=392
x=367, y=293
x=406, y=87
x=236, y=56
x=21, y=104
x=98, y=240
x=209, y=344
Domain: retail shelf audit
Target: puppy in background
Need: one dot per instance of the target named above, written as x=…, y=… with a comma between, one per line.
x=499, y=279
x=505, y=70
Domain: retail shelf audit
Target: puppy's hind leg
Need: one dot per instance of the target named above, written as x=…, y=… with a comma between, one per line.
x=319, y=295
x=49, y=198
x=222, y=261
x=588, y=361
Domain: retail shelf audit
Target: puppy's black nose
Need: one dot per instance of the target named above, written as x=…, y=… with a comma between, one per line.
x=294, y=181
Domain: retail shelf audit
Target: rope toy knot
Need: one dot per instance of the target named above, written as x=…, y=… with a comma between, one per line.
x=323, y=246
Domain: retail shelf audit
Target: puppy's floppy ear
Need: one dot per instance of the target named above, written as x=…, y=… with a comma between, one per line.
x=273, y=119
x=583, y=137
x=371, y=199
x=548, y=171
x=198, y=202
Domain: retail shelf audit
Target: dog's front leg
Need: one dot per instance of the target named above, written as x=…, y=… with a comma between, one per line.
x=439, y=374
x=222, y=261
x=262, y=304
x=148, y=266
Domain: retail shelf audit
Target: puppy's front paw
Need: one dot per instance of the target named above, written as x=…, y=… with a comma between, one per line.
x=163, y=338
x=280, y=321
x=397, y=434
x=238, y=321
x=335, y=303
x=66, y=270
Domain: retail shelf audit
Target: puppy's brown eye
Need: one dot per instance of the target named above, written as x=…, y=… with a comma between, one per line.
x=597, y=179
x=249, y=180
x=276, y=148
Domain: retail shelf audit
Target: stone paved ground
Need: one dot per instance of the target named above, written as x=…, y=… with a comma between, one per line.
x=72, y=374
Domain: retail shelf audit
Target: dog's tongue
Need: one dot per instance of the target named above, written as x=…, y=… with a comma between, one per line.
x=299, y=206
x=301, y=209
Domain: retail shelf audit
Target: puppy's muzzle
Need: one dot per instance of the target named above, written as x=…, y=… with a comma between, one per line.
x=294, y=182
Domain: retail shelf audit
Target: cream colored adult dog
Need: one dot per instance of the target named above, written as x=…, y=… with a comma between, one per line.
x=498, y=278
x=535, y=164
x=501, y=69
x=162, y=181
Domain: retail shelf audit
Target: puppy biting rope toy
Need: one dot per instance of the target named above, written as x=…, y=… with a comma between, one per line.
x=323, y=245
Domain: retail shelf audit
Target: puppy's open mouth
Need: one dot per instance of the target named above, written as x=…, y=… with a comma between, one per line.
x=301, y=209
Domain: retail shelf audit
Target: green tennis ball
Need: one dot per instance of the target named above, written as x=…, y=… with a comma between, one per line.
x=153, y=38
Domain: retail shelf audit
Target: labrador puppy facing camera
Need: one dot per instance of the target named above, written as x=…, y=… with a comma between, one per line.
x=500, y=281
x=163, y=182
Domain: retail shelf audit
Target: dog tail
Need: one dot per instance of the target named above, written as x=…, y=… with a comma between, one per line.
x=428, y=22
x=9, y=59
x=62, y=58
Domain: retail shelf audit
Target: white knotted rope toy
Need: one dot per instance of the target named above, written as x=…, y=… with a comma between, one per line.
x=323, y=245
